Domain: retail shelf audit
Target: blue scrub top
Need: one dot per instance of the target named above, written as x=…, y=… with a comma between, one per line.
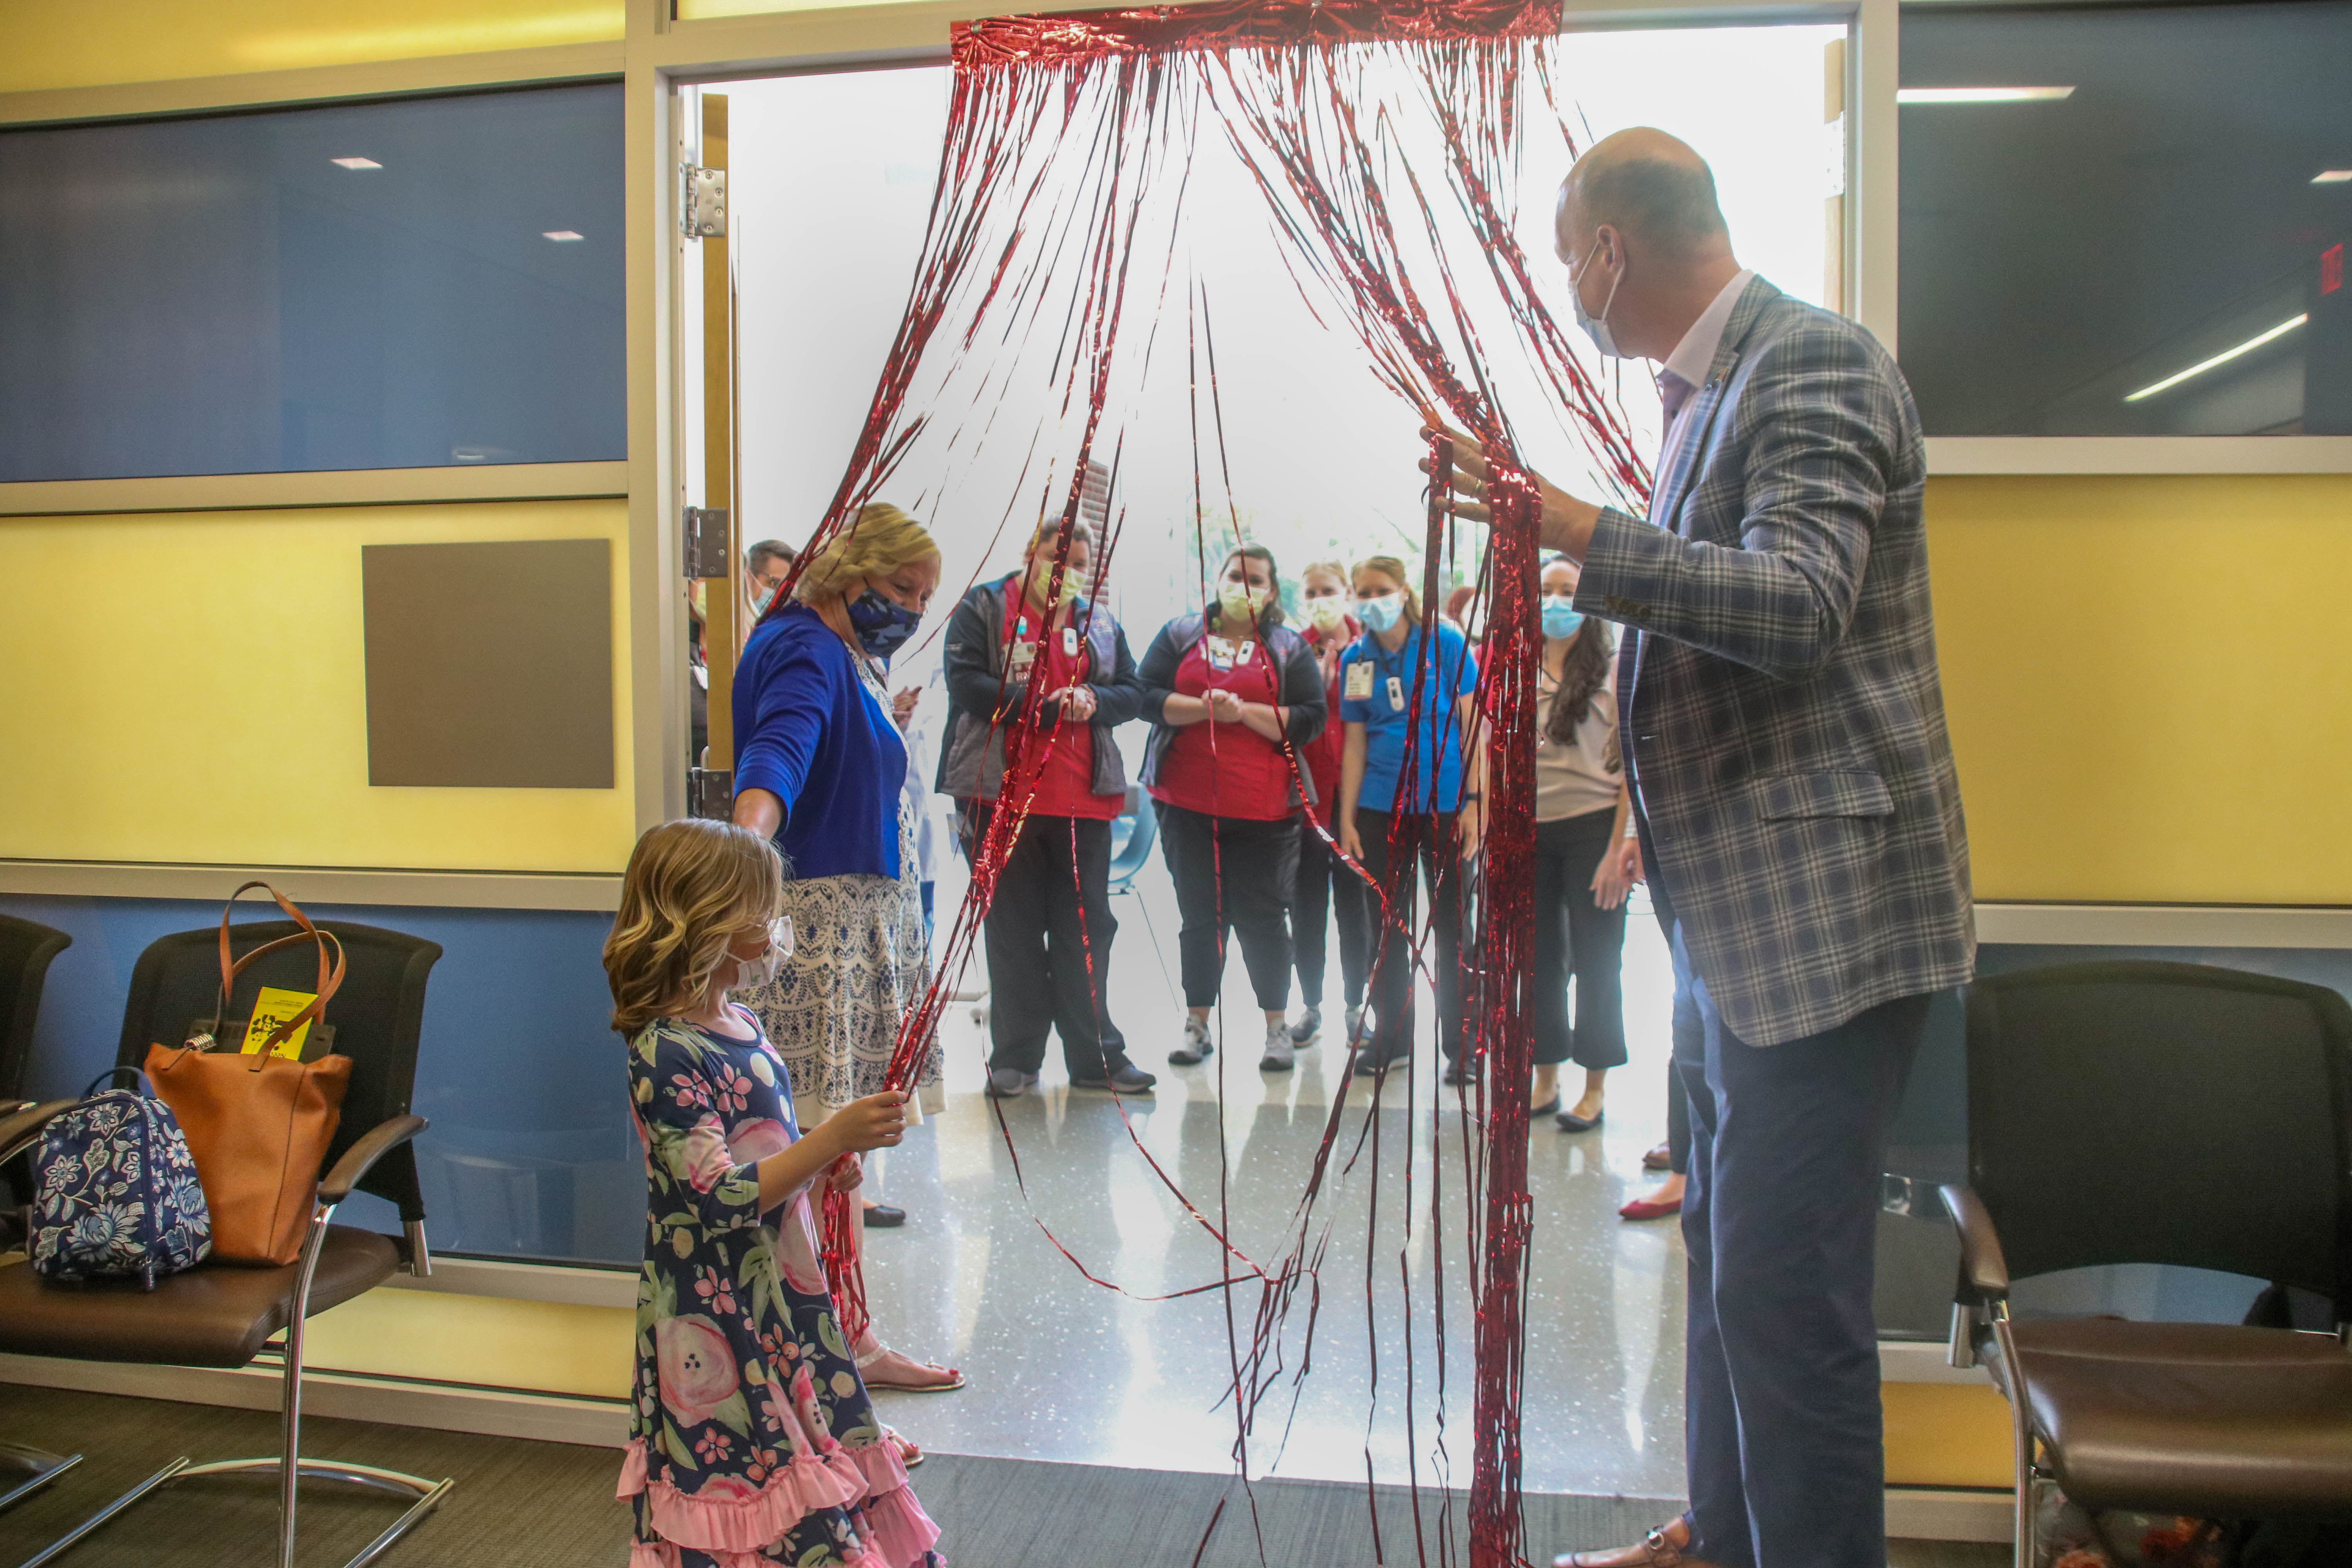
x=1439, y=744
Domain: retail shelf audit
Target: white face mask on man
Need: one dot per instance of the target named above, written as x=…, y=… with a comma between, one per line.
x=1596, y=327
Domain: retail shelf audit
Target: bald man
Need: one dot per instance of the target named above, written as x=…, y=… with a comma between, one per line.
x=1781, y=718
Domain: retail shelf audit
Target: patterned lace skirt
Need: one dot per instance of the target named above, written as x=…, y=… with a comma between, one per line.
x=860, y=963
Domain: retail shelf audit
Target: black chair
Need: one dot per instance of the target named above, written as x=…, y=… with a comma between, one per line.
x=2164, y=1113
x=222, y=1315
x=27, y=949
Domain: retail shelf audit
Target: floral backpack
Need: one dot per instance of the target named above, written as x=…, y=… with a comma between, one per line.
x=115, y=1194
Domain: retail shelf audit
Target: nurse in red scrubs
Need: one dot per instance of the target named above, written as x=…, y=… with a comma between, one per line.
x=1232, y=694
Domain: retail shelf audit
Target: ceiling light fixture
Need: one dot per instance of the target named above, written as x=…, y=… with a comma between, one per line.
x=1981, y=94
x=355, y=163
x=2224, y=357
x=2332, y=177
x=562, y=236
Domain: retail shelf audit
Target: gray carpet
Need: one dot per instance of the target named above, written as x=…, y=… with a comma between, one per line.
x=516, y=1505
x=549, y=1505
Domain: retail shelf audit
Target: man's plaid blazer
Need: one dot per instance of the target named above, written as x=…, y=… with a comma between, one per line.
x=1778, y=699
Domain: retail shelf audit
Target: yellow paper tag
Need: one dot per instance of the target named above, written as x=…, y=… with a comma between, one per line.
x=271, y=1008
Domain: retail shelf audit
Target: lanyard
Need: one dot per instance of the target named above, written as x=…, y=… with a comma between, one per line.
x=1409, y=653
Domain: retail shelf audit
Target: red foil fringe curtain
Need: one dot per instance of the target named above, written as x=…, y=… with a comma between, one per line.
x=1090, y=35
x=1061, y=129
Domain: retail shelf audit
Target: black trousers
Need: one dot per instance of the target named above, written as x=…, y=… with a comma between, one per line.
x=1780, y=1393
x=1427, y=842
x=1053, y=904
x=1329, y=891
x=1576, y=937
x=1235, y=876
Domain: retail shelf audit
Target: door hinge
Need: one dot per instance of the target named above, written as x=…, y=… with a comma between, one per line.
x=704, y=203
x=710, y=794
x=704, y=536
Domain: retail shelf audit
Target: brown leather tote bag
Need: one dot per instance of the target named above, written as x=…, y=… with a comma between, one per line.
x=258, y=1125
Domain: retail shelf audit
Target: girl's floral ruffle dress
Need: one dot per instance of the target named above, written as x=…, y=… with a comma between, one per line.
x=752, y=1440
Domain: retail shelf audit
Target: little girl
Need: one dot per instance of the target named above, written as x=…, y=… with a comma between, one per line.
x=752, y=1440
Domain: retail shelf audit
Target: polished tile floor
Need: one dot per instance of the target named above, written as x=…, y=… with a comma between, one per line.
x=1134, y=1372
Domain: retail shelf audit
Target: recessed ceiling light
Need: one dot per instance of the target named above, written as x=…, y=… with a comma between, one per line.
x=562, y=236
x=355, y=164
x=2332, y=177
x=2224, y=357
x=1981, y=94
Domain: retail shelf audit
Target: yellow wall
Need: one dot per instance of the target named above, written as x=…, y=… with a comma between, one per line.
x=191, y=688
x=1947, y=1435
x=93, y=43
x=543, y=1346
x=2149, y=683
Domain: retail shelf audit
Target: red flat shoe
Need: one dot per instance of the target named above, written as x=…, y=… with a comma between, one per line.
x=1644, y=1208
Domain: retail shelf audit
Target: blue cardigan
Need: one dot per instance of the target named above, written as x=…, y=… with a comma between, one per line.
x=807, y=729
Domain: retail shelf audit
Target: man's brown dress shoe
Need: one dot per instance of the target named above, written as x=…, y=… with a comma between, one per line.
x=1662, y=1548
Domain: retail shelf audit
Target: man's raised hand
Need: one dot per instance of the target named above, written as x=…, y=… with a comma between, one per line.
x=1468, y=476
x=1565, y=524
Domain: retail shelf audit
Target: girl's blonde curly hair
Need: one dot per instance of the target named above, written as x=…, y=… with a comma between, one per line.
x=691, y=887
x=881, y=540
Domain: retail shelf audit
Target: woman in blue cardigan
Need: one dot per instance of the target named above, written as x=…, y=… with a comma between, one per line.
x=819, y=768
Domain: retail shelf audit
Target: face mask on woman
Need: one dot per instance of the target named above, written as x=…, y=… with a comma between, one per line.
x=1380, y=613
x=1560, y=617
x=883, y=625
x=1238, y=603
x=1073, y=582
x=1329, y=613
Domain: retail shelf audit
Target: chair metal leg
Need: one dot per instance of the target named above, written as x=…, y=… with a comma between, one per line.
x=288, y=1465
x=426, y=1492
x=427, y=1495
x=290, y=1453
x=2020, y=1426
x=58, y=1547
x=24, y=1471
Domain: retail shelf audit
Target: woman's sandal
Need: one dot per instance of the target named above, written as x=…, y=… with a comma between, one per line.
x=948, y=1379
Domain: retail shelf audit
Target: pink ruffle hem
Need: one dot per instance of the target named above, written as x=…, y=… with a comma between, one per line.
x=733, y=1530
x=664, y=1554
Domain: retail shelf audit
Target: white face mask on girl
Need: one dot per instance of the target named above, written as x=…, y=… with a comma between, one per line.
x=744, y=974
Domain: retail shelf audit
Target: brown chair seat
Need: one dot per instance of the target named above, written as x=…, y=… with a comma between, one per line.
x=216, y=1314
x=2199, y=1418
